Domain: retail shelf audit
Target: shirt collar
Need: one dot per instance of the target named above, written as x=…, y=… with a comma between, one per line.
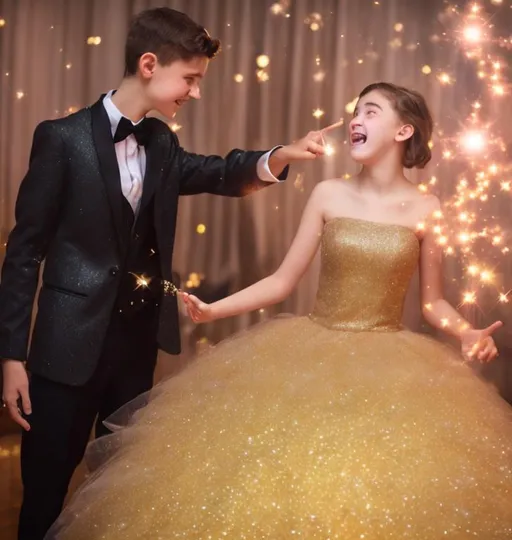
x=114, y=114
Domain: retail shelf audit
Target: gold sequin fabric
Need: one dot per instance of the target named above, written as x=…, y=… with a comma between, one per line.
x=340, y=425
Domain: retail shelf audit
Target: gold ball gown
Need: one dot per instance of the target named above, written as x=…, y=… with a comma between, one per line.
x=338, y=425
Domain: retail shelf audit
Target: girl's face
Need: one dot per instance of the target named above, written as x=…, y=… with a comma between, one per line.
x=375, y=129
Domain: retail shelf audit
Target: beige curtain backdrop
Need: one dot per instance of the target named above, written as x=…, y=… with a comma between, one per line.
x=47, y=69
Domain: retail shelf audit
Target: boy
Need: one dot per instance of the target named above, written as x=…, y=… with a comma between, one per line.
x=99, y=206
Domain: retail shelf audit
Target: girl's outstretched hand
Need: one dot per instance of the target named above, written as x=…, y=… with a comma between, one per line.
x=197, y=310
x=479, y=344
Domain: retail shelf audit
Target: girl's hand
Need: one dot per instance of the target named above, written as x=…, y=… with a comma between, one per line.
x=478, y=344
x=197, y=310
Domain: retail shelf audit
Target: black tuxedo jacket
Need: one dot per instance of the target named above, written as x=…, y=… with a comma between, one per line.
x=69, y=214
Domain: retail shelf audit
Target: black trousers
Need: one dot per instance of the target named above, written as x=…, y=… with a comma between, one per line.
x=63, y=416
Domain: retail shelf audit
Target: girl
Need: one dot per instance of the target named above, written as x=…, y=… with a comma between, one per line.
x=337, y=425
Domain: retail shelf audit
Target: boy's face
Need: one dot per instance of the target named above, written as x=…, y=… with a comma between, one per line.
x=169, y=87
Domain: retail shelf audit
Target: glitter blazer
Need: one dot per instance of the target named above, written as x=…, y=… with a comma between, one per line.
x=69, y=215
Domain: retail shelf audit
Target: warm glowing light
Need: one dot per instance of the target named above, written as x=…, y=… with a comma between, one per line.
x=473, y=33
x=277, y=9
x=319, y=76
x=318, y=113
x=464, y=237
x=142, y=281
x=262, y=75
x=238, y=78
x=473, y=270
x=469, y=298
x=486, y=276
x=473, y=141
x=329, y=150
x=351, y=107
x=194, y=280
x=314, y=21
x=262, y=61
x=444, y=78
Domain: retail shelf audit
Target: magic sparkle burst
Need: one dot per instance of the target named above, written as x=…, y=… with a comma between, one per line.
x=469, y=225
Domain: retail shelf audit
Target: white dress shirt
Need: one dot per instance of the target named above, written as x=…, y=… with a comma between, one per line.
x=131, y=159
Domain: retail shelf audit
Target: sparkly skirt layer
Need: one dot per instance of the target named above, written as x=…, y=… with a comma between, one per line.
x=293, y=430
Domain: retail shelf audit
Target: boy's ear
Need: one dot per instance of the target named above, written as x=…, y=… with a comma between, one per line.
x=147, y=64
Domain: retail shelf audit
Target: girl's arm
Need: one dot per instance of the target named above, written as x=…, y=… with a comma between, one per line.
x=279, y=285
x=439, y=313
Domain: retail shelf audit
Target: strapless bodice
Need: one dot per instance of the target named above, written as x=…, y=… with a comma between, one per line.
x=365, y=273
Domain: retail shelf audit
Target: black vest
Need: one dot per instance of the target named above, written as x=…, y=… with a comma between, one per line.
x=140, y=284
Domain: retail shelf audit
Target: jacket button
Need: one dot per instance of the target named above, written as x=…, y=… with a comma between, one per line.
x=114, y=271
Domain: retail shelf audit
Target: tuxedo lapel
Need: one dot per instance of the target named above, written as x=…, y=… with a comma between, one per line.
x=109, y=168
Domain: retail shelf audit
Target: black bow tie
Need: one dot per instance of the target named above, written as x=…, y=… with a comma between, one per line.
x=141, y=131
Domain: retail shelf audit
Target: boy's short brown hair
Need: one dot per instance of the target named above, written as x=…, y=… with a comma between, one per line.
x=170, y=35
